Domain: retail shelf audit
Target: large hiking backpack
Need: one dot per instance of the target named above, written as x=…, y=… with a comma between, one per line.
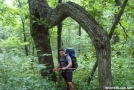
x=71, y=53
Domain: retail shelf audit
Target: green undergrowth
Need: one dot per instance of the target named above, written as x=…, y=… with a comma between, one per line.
x=22, y=73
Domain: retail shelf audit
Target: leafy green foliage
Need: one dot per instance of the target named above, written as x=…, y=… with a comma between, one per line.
x=122, y=72
x=19, y=72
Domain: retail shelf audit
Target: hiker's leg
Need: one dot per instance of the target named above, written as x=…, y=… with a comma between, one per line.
x=69, y=76
x=65, y=78
x=70, y=85
x=67, y=85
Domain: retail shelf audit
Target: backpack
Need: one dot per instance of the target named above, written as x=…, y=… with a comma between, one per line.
x=71, y=53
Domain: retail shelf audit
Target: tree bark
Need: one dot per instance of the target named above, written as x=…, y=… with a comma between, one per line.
x=59, y=35
x=79, y=34
x=116, y=38
x=52, y=17
x=40, y=34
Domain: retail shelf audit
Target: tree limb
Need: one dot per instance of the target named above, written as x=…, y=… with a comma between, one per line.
x=117, y=19
x=92, y=72
x=74, y=11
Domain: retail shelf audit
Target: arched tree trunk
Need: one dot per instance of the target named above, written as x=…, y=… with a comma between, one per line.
x=115, y=38
x=52, y=17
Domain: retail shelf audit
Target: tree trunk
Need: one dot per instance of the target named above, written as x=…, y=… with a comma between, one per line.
x=59, y=34
x=53, y=17
x=115, y=38
x=40, y=35
x=103, y=58
x=59, y=37
x=24, y=32
x=92, y=73
x=117, y=18
x=79, y=34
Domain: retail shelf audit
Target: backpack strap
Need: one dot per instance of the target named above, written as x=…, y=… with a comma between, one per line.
x=66, y=59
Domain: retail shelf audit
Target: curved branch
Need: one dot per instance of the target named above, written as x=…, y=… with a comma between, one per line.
x=117, y=19
x=77, y=13
x=97, y=34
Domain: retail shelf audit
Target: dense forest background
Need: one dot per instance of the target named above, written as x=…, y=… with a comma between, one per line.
x=19, y=68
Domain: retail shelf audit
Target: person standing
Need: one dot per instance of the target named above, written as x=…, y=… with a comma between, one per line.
x=64, y=65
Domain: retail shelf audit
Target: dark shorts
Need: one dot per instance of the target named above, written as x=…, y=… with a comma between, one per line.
x=67, y=76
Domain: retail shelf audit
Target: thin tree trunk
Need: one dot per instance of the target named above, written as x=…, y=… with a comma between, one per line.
x=115, y=36
x=59, y=34
x=59, y=37
x=117, y=19
x=79, y=34
x=24, y=32
x=25, y=39
x=92, y=73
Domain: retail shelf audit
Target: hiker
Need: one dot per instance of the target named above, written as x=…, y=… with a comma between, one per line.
x=64, y=64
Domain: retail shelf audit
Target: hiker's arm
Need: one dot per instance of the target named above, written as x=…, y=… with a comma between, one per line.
x=57, y=67
x=68, y=66
x=68, y=58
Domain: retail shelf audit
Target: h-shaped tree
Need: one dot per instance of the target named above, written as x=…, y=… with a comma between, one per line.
x=43, y=17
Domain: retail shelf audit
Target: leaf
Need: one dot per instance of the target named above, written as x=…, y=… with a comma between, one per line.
x=24, y=43
x=41, y=66
x=46, y=54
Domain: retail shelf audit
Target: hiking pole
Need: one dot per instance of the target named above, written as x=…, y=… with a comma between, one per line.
x=68, y=69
